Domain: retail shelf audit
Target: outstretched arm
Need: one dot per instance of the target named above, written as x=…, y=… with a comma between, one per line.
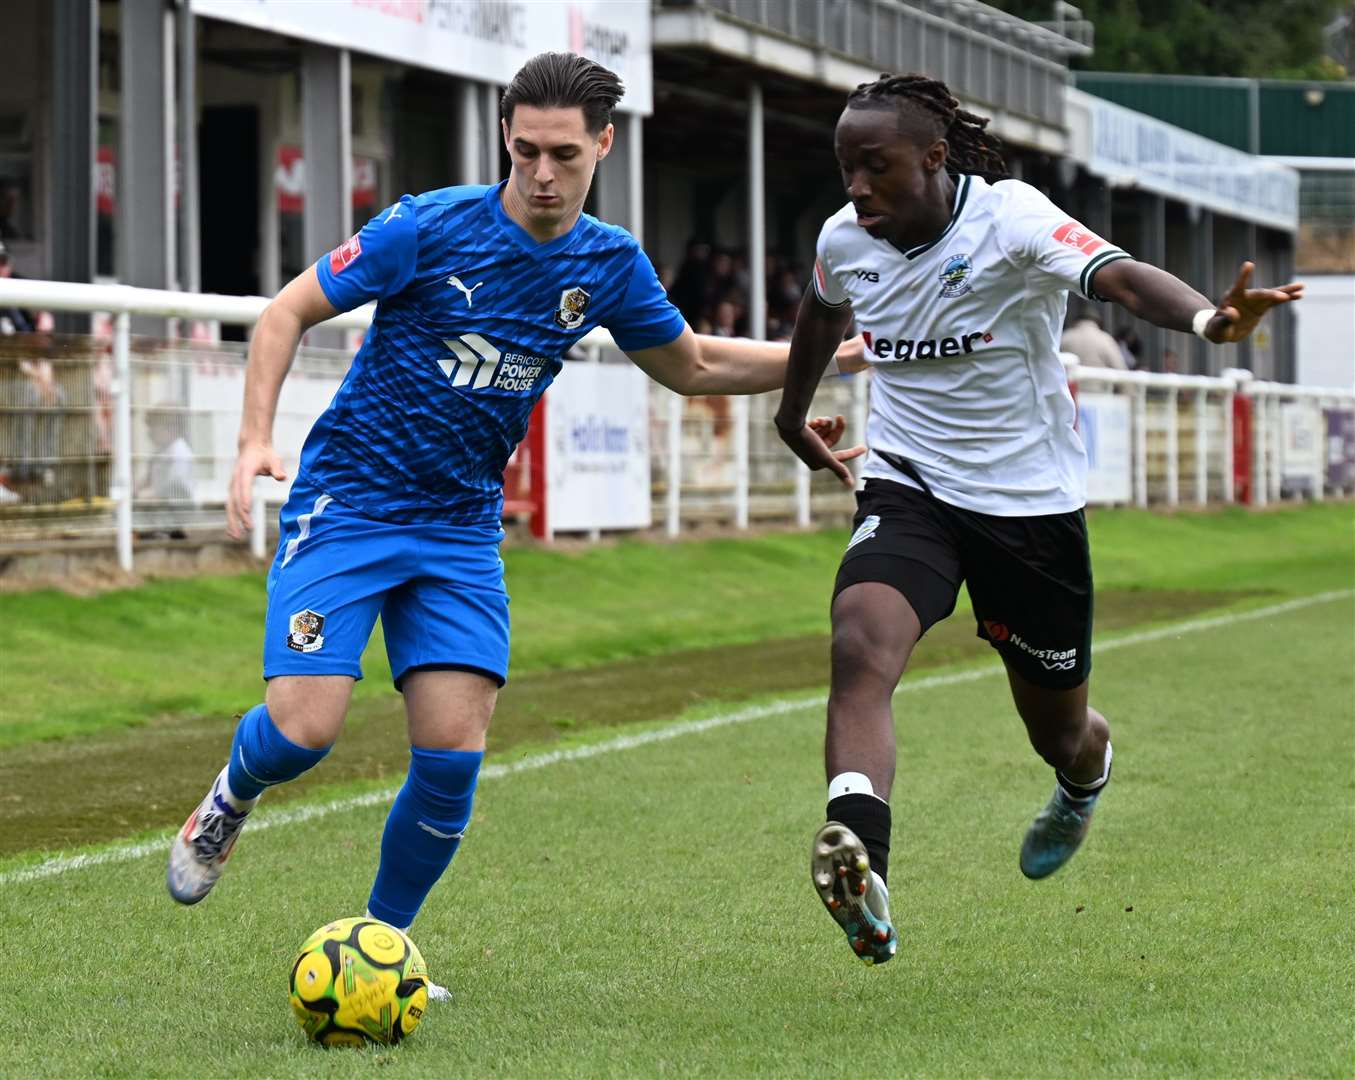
x=1167, y=301
x=818, y=329
x=695, y=364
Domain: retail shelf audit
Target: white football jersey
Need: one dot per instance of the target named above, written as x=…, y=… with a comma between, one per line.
x=963, y=337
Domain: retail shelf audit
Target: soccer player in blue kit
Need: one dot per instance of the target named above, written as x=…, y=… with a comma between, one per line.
x=395, y=510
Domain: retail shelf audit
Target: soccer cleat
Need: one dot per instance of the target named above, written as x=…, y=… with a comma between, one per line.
x=1057, y=832
x=854, y=894
x=200, y=850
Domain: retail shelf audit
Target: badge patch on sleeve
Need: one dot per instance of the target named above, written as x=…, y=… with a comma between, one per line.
x=304, y=631
x=345, y=254
x=1076, y=235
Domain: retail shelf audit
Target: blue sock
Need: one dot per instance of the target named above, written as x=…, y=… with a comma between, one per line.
x=262, y=756
x=423, y=830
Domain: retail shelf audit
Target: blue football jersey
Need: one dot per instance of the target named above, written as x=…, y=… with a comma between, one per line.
x=473, y=319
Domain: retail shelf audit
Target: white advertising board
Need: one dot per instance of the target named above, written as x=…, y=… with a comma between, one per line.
x=1103, y=423
x=597, y=448
x=1129, y=148
x=486, y=40
x=1302, y=445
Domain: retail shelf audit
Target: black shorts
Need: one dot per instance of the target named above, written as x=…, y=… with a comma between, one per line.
x=1030, y=578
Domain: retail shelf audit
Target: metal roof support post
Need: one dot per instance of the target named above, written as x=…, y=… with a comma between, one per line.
x=1154, y=238
x=635, y=175
x=469, y=108
x=73, y=91
x=190, y=257
x=145, y=160
x=757, y=288
x=493, y=134
x=327, y=144
x=1202, y=266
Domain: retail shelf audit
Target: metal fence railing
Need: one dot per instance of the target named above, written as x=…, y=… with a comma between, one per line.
x=108, y=441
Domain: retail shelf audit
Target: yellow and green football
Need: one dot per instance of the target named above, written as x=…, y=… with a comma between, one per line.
x=357, y=981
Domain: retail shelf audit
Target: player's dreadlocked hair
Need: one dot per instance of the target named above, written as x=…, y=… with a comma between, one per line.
x=972, y=150
x=561, y=80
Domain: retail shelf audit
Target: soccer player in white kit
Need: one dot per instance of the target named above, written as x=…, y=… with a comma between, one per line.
x=975, y=472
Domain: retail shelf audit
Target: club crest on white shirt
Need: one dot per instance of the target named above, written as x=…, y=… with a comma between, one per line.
x=955, y=276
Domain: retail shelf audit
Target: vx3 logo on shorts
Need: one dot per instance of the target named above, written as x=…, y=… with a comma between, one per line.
x=477, y=365
x=864, y=531
x=456, y=282
x=1050, y=659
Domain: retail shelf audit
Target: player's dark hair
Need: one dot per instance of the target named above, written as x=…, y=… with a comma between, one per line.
x=561, y=80
x=972, y=149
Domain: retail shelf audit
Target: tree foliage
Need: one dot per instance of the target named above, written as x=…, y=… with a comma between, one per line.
x=1250, y=38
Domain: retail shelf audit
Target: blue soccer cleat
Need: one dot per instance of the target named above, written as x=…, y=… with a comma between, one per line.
x=1056, y=833
x=200, y=850
x=854, y=894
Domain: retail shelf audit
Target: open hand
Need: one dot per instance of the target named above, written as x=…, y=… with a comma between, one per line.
x=813, y=444
x=256, y=459
x=1241, y=309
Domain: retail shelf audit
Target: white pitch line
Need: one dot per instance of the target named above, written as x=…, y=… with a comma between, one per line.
x=266, y=819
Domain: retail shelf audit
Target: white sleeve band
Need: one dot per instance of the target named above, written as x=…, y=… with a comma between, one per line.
x=1200, y=321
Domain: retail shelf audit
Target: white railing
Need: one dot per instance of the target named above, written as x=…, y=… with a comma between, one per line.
x=712, y=460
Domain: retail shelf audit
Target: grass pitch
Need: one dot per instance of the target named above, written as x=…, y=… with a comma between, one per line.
x=647, y=911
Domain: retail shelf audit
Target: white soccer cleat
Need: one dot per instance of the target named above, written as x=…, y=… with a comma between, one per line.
x=200, y=850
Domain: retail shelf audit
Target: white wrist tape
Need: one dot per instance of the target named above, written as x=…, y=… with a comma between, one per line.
x=1200, y=321
x=832, y=368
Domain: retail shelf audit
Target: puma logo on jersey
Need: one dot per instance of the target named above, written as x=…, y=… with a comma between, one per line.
x=456, y=283
x=925, y=348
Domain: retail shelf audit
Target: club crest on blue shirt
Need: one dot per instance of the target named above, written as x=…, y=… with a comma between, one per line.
x=573, y=303
x=955, y=276
x=304, y=631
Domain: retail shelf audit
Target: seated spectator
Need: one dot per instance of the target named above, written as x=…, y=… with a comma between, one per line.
x=1092, y=346
x=169, y=468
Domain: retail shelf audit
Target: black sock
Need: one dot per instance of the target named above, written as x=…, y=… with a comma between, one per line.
x=869, y=818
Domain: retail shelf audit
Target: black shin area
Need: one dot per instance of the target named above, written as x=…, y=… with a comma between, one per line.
x=869, y=818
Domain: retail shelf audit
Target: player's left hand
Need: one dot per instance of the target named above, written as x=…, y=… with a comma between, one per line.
x=1241, y=309
x=851, y=355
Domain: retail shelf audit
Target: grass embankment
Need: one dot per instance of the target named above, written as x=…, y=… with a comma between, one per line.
x=192, y=648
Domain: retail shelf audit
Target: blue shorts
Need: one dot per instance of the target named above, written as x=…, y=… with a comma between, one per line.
x=438, y=589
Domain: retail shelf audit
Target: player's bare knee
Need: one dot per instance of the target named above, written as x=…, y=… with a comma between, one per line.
x=861, y=658
x=309, y=710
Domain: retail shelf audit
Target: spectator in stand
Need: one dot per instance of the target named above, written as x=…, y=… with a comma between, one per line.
x=688, y=291
x=1088, y=341
x=13, y=320
x=169, y=469
x=1130, y=346
x=37, y=429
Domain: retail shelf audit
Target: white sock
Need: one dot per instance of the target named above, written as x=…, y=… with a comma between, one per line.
x=851, y=783
x=239, y=805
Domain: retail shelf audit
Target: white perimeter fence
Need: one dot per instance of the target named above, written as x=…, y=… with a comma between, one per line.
x=110, y=438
